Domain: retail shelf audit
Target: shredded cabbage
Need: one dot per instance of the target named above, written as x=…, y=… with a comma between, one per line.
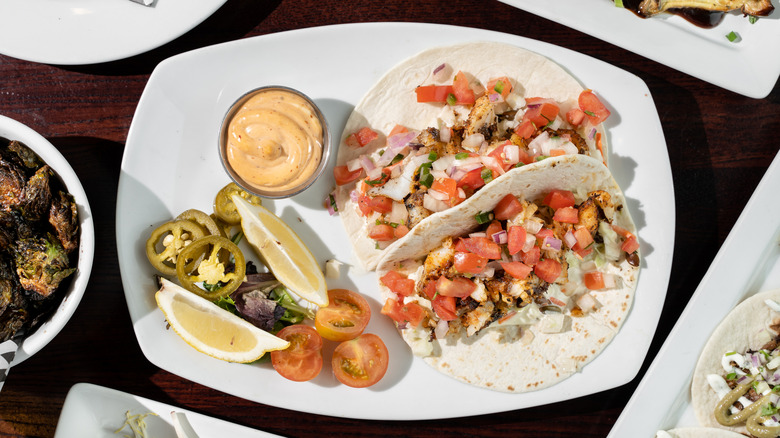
x=611, y=242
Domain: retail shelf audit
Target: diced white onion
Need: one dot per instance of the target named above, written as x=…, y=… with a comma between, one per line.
x=587, y=303
x=433, y=204
x=478, y=234
x=530, y=241
x=353, y=165
x=399, y=213
x=570, y=239
x=438, y=195
x=445, y=134
x=532, y=227
x=512, y=153
x=473, y=141
x=442, y=327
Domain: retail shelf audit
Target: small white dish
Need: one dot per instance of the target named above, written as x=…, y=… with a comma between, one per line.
x=93, y=31
x=13, y=130
x=98, y=412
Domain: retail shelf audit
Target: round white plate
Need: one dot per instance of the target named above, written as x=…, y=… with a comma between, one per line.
x=171, y=164
x=70, y=32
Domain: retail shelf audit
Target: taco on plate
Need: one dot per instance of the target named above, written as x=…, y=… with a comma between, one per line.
x=522, y=284
x=445, y=123
x=697, y=432
x=736, y=382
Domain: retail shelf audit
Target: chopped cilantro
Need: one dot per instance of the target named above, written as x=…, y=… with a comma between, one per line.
x=484, y=217
x=499, y=87
x=519, y=164
x=396, y=159
x=590, y=113
x=768, y=410
x=433, y=156
x=541, y=157
x=461, y=155
x=451, y=99
x=487, y=175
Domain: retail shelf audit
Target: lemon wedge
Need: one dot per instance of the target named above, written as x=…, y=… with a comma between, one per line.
x=211, y=329
x=284, y=253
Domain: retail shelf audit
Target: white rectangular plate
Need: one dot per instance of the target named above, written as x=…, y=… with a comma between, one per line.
x=171, y=164
x=748, y=66
x=98, y=412
x=747, y=263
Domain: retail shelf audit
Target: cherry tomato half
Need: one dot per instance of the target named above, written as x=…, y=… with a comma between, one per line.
x=360, y=362
x=302, y=360
x=345, y=317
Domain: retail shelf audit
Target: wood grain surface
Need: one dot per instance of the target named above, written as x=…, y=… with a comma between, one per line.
x=719, y=143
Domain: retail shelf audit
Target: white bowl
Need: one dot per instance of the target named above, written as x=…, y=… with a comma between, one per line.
x=46, y=331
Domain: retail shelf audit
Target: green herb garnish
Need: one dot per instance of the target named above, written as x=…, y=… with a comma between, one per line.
x=396, y=159
x=484, y=217
x=461, y=155
x=487, y=175
x=752, y=19
x=499, y=87
x=732, y=36
x=451, y=99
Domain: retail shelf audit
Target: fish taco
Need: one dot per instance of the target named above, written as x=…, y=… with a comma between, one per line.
x=445, y=123
x=522, y=284
x=736, y=382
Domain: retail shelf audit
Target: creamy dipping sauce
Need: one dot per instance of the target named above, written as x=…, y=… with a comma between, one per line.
x=275, y=140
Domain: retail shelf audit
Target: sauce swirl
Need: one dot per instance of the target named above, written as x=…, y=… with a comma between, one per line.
x=275, y=140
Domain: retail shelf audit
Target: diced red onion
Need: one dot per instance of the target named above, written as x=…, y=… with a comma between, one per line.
x=534, y=105
x=457, y=173
x=551, y=243
x=773, y=398
x=366, y=163
x=442, y=72
x=354, y=195
x=473, y=141
x=438, y=69
x=500, y=237
x=331, y=210
x=494, y=97
x=374, y=173
x=570, y=239
x=592, y=134
x=518, y=257
x=437, y=195
x=478, y=234
x=395, y=145
x=755, y=360
x=743, y=379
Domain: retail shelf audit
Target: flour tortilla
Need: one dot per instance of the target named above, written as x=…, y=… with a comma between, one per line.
x=745, y=327
x=505, y=359
x=392, y=101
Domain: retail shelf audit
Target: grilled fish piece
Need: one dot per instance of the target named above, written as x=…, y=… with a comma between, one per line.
x=482, y=118
x=750, y=7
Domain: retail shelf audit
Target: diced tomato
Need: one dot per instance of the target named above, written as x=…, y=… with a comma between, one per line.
x=398, y=129
x=381, y=204
x=548, y=270
x=517, y=270
x=430, y=289
x=381, y=233
x=469, y=263
x=483, y=246
x=532, y=256
x=472, y=180
x=493, y=228
x=364, y=204
x=400, y=231
x=507, y=207
x=622, y=232
x=575, y=117
x=525, y=129
x=433, y=93
x=584, y=239
x=525, y=157
x=594, y=280
x=569, y=215
x=630, y=245
x=444, y=307
x=399, y=312
x=460, y=88
x=515, y=239
x=459, y=245
x=397, y=283
x=502, y=86
x=557, y=152
x=593, y=107
x=559, y=198
x=449, y=187
x=459, y=287
x=344, y=176
x=541, y=113
x=365, y=136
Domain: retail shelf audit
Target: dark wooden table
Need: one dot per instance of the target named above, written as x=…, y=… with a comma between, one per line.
x=720, y=145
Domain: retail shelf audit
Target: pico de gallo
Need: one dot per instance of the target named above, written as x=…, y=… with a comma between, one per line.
x=528, y=262
x=485, y=130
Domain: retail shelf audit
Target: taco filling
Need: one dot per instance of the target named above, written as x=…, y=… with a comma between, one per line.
x=748, y=389
x=481, y=132
x=529, y=263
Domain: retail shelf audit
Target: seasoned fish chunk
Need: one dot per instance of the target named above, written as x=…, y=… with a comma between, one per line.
x=482, y=118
